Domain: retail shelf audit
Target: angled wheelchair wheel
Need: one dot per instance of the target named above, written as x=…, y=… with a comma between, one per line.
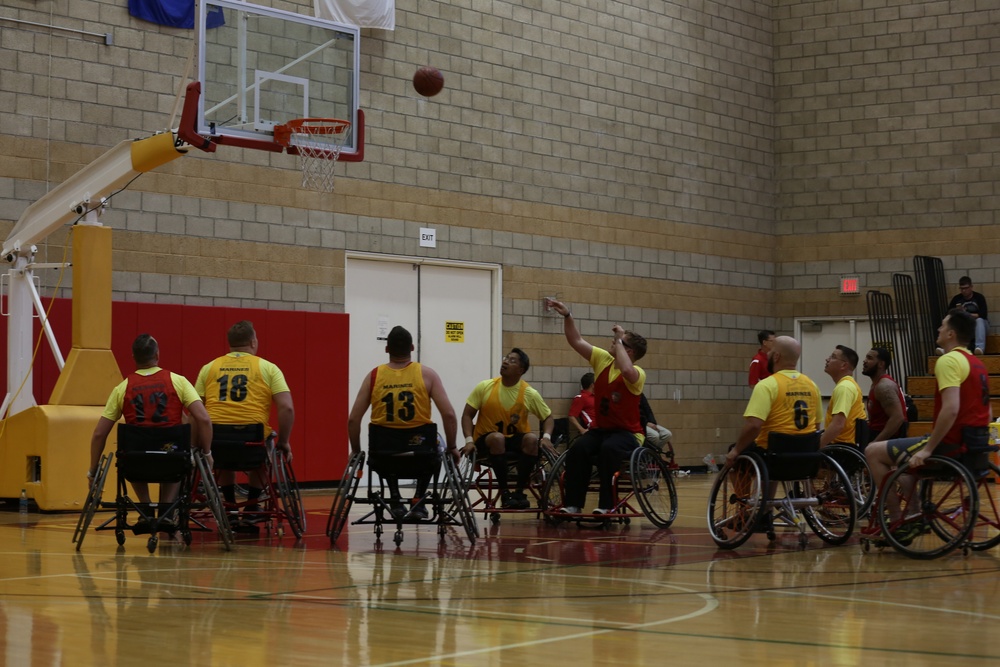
x=653, y=486
x=938, y=508
x=835, y=512
x=736, y=502
x=460, y=499
x=854, y=463
x=93, y=501
x=289, y=494
x=542, y=471
x=213, y=500
x=552, y=491
x=467, y=468
x=986, y=533
x=344, y=496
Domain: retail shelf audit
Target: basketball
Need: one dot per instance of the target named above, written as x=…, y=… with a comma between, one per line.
x=428, y=81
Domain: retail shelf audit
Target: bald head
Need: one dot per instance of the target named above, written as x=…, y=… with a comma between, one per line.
x=785, y=353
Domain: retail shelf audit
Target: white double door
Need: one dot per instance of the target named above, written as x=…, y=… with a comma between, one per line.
x=452, y=310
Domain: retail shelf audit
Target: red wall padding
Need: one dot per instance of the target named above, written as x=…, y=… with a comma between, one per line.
x=310, y=348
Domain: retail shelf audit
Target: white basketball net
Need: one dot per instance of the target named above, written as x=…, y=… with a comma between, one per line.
x=317, y=160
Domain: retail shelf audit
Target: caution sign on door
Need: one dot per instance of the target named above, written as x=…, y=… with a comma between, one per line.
x=454, y=332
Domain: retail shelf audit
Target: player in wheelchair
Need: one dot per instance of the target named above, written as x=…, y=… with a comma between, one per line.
x=779, y=446
x=845, y=435
x=929, y=505
x=403, y=444
x=625, y=468
x=496, y=425
x=153, y=447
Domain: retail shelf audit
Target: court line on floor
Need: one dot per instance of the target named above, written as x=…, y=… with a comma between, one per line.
x=710, y=605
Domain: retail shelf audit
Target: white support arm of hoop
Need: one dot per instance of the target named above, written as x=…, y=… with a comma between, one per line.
x=46, y=325
x=68, y=200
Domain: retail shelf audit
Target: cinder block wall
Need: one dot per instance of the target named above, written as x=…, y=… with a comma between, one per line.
x=886, y=146
x=693, y=171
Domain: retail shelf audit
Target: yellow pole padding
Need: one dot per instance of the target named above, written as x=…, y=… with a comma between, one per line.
x=155, y=151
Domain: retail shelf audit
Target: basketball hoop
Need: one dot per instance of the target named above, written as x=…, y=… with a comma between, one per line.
x=317, y=142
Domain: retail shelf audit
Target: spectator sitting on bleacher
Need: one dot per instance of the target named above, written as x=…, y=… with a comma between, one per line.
x=974, y=304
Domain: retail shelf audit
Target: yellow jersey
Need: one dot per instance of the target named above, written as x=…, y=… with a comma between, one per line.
x=787, y=402
x=505, y=409
x=237, y=389
x=846, y=400
x=399, y=397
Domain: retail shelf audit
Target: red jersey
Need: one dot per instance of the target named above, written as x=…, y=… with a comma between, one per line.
x=617, y=407
x=877, y=416
x=758, y=368
x=973, y=400
x=583, y=408
x=151, y=400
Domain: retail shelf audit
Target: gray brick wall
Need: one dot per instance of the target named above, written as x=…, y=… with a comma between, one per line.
x=729, y=161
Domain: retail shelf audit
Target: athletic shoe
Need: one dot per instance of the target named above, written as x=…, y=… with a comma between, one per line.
x=908, y=532
x=252, y=514
x=168, y=526
x=765, y=522
x=397, y=510
x=569, y=509
x=978, y=352
x=419, y=512
x=141, y=527
x=601, y=510
x=516, y=500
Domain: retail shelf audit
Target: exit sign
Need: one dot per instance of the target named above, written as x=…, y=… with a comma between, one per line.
x=850, y=285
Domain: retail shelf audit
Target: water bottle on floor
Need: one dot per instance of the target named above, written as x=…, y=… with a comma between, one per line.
x=710, y=462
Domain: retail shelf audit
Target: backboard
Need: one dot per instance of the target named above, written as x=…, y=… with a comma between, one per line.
x=261, y=67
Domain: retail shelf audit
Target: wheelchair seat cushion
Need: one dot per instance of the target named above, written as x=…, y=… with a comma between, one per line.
x=150, y=454
x=419, y=440
x=403, y=452
x=237, y=433
x=792, y=456
x=238, y=446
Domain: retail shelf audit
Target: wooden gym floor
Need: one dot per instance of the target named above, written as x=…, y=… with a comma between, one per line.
x=525, y=594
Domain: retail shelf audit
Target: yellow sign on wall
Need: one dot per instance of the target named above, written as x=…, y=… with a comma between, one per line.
x=454, y=332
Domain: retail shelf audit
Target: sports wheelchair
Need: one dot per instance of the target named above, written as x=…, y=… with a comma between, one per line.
x=153, y=455
x=644, y=479
x=411, y=453
x=816, y=493
x=480, y=479
x=946, y=504
x=852, y=459
x=243, y=448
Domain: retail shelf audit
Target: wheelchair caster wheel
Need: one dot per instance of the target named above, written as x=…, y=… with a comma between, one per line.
x=495, y=518
x=281, y=531
x=771, y=536
x=398, y=537
x=186, y=536
x=120, y=536
x=627, y=520
x=151, y=544
x=378, y=530
x=866, y=545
